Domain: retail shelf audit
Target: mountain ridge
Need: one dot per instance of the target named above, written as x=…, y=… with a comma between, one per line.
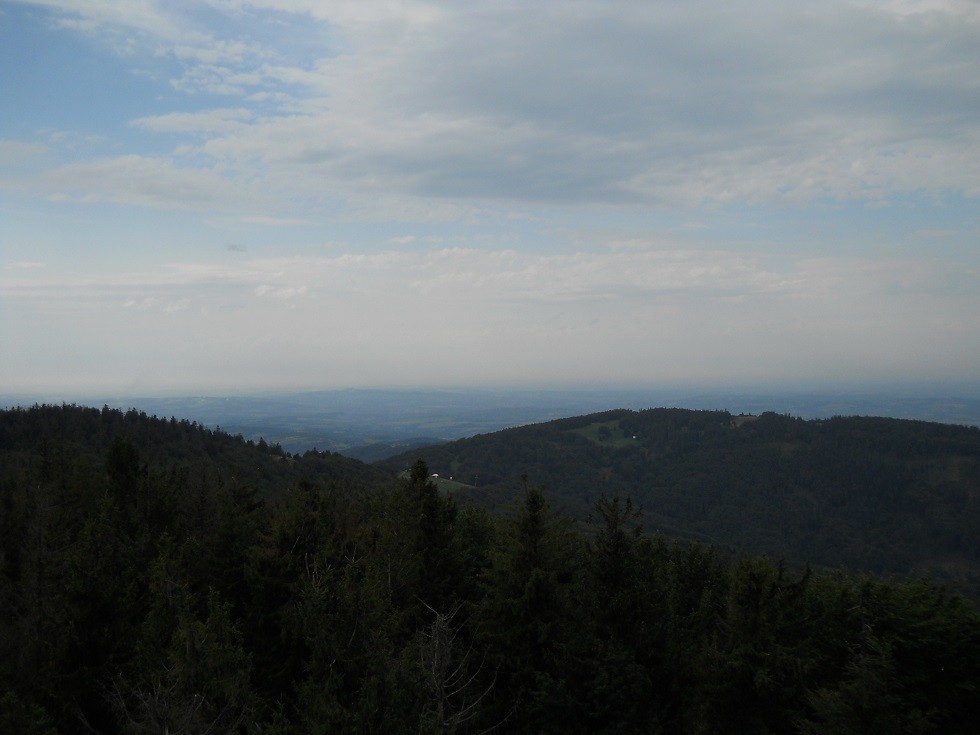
x=883, y=495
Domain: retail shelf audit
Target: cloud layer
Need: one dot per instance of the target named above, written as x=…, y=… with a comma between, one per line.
x=669, y=104
x=461, y=315
x=295, y=192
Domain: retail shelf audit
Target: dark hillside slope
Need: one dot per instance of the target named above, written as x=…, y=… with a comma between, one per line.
x=868, y=494
x=67, y=440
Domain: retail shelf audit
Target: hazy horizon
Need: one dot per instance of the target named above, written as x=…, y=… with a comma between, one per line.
x=912, y=390
x=261, y=195
x=343, y=420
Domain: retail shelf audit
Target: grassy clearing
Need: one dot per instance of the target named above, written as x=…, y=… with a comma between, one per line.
x=444, y=484
x=608, y=434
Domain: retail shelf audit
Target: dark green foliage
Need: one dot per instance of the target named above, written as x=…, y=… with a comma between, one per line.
x=527, y=620
x=867, y=494
x=146, y=586
x=17, y=716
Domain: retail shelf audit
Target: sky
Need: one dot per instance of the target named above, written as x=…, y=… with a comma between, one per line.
x=234, y=195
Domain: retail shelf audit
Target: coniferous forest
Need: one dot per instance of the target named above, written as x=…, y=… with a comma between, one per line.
x=157, y=576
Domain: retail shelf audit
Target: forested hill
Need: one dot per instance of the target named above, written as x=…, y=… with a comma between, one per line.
x=70, y=441
x=157, y=576
x=869, y=494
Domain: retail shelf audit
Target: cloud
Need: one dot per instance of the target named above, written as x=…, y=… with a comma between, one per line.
x=140, y=304
x=622, y=103
x=458, y=275
x=144, y=181
x=207, y=122
x=592, y=190
x=98, y=15
x=650, y=312
x=268, y=221
x=16, y=151
x=284, y=293
x=426, y=109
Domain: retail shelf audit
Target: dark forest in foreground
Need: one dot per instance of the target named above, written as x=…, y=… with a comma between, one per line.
x=157, y=576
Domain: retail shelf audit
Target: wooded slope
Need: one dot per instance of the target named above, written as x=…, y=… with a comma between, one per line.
x=869, y=494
